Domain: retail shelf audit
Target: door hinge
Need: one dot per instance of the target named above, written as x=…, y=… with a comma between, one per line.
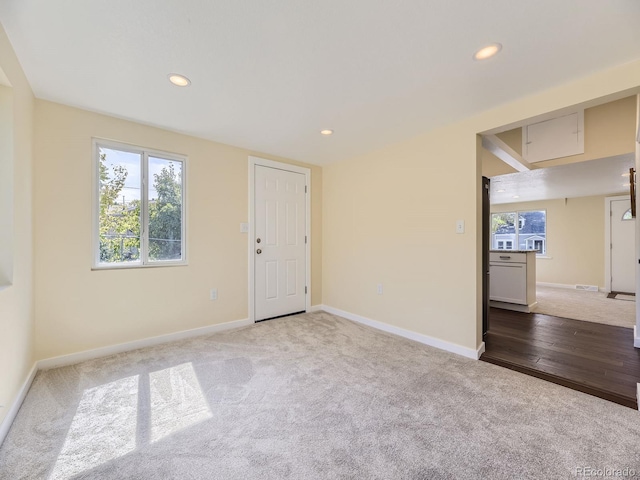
x=305, y=290
x=305, y=239
x=305, y=189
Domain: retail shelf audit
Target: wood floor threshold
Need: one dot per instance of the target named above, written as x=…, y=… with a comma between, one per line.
x=565, y=382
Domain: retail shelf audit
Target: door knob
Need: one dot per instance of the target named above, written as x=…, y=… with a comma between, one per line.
x=258, y=240
x=258, y=251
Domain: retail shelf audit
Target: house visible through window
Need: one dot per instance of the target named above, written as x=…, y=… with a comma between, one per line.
x=139, y=208
x=530, y=234
x=505, y=245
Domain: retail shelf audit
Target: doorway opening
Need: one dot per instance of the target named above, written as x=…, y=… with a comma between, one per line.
x=570, y=328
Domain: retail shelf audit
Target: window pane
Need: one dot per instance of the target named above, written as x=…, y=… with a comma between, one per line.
x=533, y=231
x=119, y=216
x=503, y=230
x=165, y=209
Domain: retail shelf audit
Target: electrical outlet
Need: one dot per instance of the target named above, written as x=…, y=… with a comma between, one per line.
x=213, y=294
x=379, y=289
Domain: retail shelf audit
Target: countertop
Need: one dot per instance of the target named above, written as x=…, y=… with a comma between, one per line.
x=512, y=251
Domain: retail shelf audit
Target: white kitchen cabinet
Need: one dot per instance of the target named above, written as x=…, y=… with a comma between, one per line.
x=555, y=138
x=512, y=280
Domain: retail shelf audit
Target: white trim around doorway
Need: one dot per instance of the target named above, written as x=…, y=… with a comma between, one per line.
x=253, y=161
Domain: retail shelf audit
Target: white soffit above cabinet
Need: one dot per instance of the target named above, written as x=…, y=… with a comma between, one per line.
x=582, y=179
x=555, y=138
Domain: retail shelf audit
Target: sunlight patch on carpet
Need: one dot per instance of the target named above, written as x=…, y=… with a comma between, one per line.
x=108, y=413
x=177, y=400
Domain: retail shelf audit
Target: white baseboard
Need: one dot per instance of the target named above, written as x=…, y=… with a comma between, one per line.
x=315, y=308
x=74, y=358
x=636, y=341
x=555, y=285
x=17, y=403
x=418, y=337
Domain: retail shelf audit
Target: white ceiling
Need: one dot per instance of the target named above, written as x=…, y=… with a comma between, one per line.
x=594, y=177
x=269, y=75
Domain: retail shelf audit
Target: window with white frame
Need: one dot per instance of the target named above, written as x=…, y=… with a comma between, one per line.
x=522, y=230
x=139, y=206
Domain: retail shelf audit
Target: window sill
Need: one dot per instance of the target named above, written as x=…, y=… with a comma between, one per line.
x=138, y=266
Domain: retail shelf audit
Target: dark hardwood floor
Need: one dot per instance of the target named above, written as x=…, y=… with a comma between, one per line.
x=590, y=357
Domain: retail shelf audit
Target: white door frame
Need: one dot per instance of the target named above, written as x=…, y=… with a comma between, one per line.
x=607, y=239
x=253, y=162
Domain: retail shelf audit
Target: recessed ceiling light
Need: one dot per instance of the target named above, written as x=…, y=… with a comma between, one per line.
x=625, y=174
x=179, y=80
x=516, y=196
x=500, y=191
x=626, y=185
x=326, y=131
x=487, y=52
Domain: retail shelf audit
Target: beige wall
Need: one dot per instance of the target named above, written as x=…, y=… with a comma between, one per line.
x=575, y=239
x=6, y=185
x=389, y=217
x=609, y=130
x=79, y=309
x=16, y=301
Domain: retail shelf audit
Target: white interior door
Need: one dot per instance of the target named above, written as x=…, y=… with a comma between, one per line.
x=279, y=243
x=622, y=248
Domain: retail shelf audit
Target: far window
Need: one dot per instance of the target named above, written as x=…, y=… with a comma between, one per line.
x=530, y=234
x=139, y=207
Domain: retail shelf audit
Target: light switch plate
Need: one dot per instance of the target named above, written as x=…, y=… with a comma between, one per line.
x=244, y=228
x=459, y=226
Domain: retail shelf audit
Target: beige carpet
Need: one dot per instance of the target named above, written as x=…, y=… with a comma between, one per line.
x=583, y=305
x=312, y=396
